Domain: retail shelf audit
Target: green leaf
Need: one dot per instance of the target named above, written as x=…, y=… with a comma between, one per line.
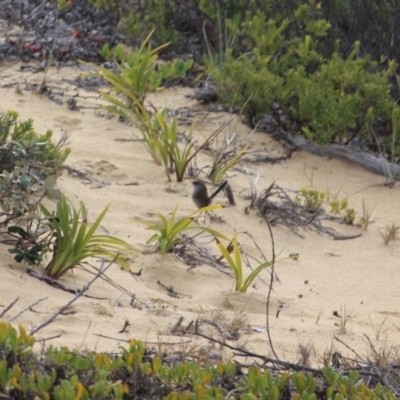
x=50, y=182
x=24, y=182
x=253, y=274
x=54, y=194
x=18, y=230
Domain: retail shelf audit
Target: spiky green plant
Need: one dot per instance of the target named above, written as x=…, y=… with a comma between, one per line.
x=75, y=241
x=169, y=231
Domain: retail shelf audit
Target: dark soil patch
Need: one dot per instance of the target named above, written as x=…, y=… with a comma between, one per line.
x=32, y=29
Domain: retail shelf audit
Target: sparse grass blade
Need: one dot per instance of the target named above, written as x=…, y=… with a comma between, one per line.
x=236, y=267
x=236, y=264
x=253, y=274
x=221, y=170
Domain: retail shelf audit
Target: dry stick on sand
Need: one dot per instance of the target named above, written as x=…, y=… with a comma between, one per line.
x=50, y=281
x=245, y=353
x=270, y=286
x=48, y=338
x=177, y=325
x=28, y=308
x=9, y=306
x=55, y=283
x=86, y=287
x=254, y=197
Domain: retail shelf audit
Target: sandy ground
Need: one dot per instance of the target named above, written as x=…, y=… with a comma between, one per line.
x=358, y=279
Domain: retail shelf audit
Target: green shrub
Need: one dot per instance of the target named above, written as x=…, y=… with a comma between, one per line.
x=247, y=84
x=157, y=16
x=138, y=21
x=310, y=199
x=220, y=23
x=29, y=166
x=22, y=146
x=114, y=6
x=340, y=100
x=328, y=99
x=27, y=159
x=328, y=93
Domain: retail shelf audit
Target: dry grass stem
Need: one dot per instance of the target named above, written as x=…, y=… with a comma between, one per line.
x=365, y=219
x=391, y=232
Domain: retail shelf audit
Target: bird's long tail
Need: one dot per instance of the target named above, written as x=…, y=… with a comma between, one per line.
x=220, y=187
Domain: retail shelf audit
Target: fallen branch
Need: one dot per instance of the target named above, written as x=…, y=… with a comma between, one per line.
x=55, y=283
x=353, y=154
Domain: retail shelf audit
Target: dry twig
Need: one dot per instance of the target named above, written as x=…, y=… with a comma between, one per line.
x=9, y=307
x=86, y=287
x=28, y=308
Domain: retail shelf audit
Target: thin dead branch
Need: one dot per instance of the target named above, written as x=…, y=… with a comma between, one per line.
x=55, y=283
x=267, y=306
x=86, y=287
x=9, y=307
x=28, y=308
x=275, y=205
x=276, y=364
x=48, y=338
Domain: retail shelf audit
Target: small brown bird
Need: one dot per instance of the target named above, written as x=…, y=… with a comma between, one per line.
x=200, y=194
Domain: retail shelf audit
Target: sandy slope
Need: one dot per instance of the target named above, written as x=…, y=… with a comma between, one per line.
x=359, y=277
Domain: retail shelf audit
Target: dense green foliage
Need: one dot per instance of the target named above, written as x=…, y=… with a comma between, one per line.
x=63, y=374
x=18, y=138
x=324, y=64
x=29, y=163
x=27, y=159
x=327, y=99
x=372, y=23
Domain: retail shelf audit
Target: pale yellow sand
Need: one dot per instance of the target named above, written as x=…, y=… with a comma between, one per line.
x=360, y=276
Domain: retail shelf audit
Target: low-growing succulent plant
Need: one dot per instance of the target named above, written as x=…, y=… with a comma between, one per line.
x=65, y=374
